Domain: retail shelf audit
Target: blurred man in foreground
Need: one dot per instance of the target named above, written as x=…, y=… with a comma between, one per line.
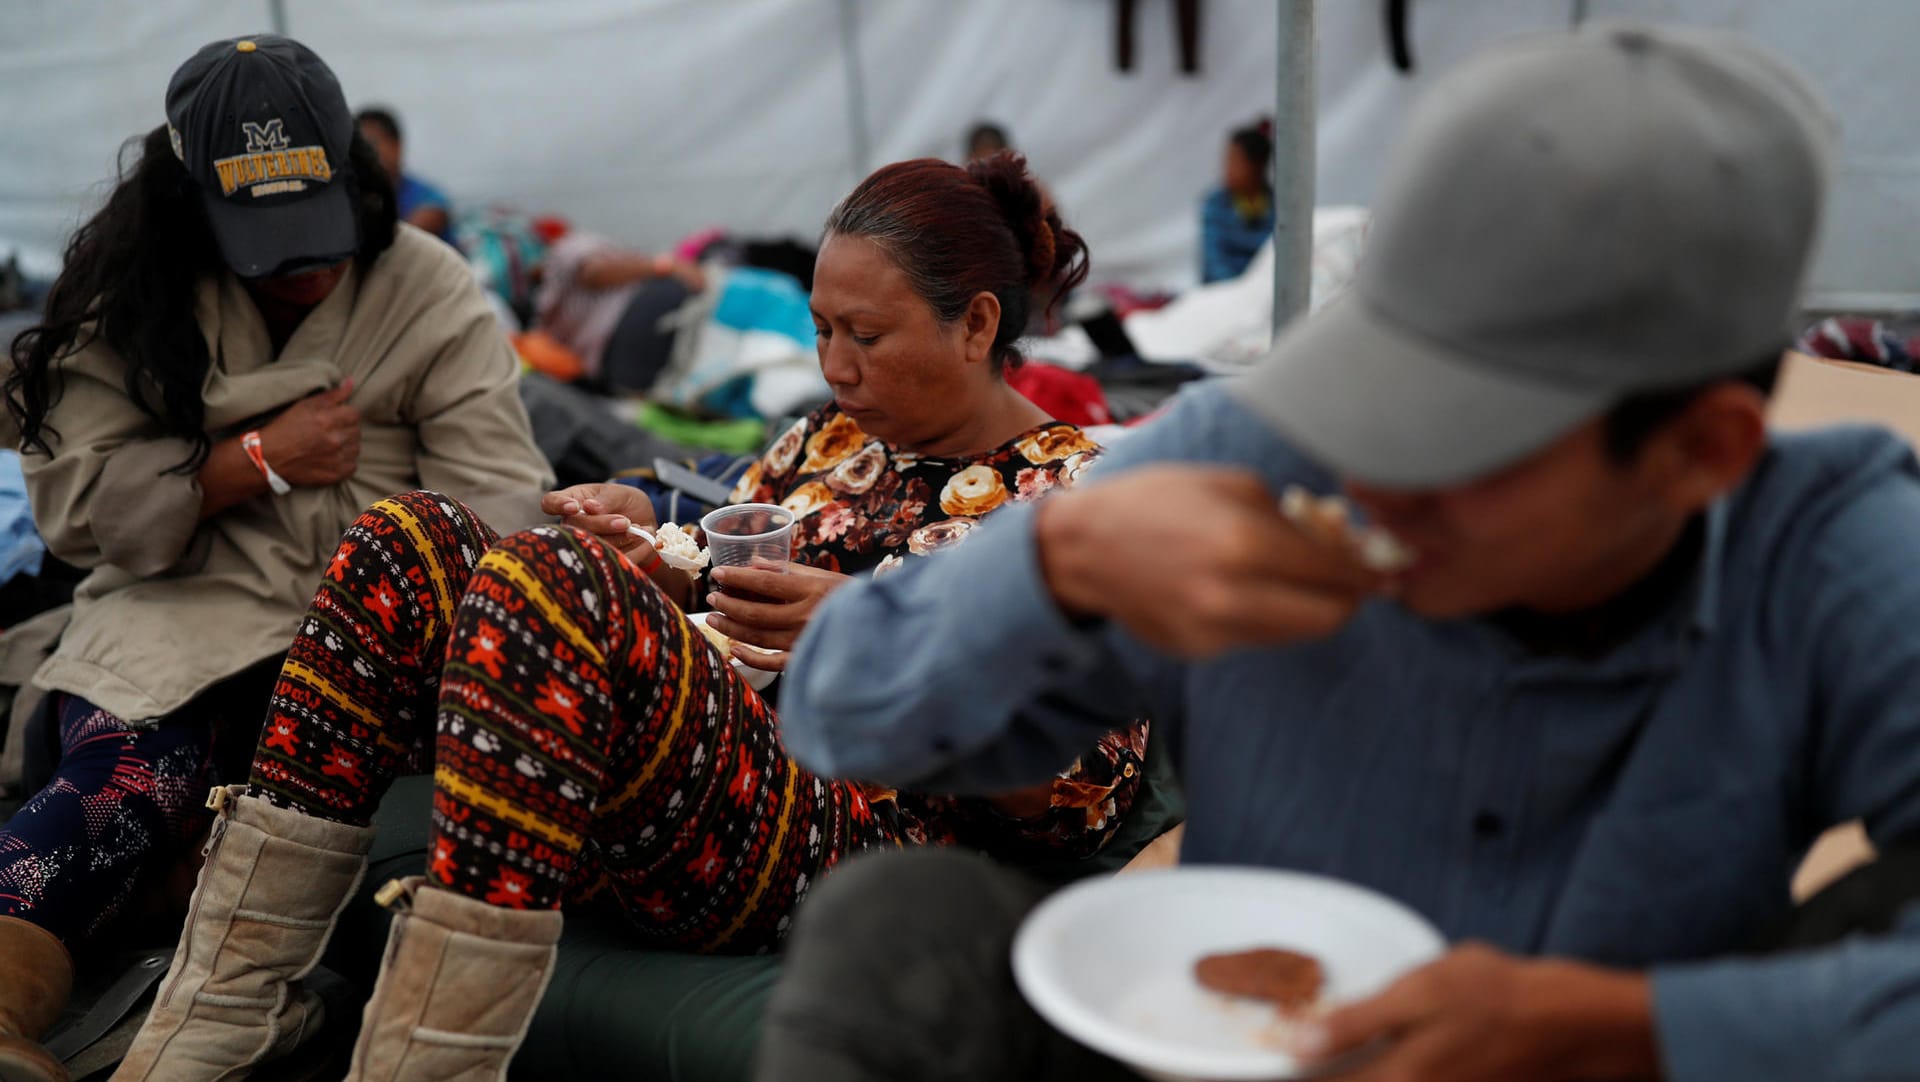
x=1640, y=655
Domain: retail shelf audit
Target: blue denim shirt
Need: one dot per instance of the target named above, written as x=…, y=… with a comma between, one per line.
x=1229, y=242
x=1644, y=810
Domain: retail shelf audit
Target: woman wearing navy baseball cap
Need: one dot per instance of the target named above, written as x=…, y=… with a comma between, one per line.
x=241, y=353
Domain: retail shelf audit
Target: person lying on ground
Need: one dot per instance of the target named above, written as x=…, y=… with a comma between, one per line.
x=604, y=303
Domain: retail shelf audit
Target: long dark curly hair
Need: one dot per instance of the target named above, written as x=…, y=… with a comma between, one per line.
x=130, y=280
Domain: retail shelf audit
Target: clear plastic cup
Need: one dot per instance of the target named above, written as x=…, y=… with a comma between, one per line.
x=745, y=533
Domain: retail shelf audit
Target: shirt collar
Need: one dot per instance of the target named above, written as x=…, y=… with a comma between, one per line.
x=1660, y=648
x=1708, y=581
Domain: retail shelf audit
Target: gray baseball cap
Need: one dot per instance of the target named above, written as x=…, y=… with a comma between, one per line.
x=1570, y=220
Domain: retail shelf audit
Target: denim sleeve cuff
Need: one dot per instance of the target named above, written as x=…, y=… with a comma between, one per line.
x=1750, y=1019
x=1011, y=615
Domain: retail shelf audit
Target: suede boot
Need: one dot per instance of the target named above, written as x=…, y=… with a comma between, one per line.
x=457, y=988
x=274, y=883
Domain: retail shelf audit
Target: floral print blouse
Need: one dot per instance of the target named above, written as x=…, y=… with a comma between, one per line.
x=861, y=505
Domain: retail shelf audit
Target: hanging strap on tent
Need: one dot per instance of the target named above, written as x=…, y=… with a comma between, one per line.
x=1397, y=43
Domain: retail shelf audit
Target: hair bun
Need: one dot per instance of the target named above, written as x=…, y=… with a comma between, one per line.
x=1026, y=210
x=1040, y=256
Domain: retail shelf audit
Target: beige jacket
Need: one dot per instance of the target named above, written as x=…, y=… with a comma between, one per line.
x=175, y=605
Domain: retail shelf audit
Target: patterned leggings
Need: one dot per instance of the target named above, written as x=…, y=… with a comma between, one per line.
x=71, y=858
x=124, y=804
x=586, y=740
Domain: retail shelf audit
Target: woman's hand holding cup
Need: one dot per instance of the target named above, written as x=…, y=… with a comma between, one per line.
x=788, y=595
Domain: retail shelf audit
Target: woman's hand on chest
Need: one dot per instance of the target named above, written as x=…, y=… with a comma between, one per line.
x=316, y=441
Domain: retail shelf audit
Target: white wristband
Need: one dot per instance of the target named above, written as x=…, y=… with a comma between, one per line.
x=250, y=443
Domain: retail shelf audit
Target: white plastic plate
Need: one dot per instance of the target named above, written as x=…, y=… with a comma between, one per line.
x=1110, y=962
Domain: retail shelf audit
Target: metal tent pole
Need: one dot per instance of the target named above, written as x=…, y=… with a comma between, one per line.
x=1293, y=162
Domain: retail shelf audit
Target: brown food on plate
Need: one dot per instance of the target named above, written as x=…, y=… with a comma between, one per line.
x=1287, y=979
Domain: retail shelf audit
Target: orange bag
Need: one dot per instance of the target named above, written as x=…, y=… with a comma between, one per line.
x=544, y=354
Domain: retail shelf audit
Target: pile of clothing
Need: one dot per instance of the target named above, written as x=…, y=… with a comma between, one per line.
x=1891, y=342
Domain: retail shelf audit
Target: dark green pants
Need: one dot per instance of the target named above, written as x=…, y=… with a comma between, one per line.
x=897, y=969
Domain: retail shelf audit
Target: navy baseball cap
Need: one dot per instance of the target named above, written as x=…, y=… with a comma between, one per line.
x=261, y=124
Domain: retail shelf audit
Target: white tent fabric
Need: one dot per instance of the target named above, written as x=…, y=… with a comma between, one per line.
x=1857, y=54
x=1228, y=325
x=649, y=119
x=75, y=81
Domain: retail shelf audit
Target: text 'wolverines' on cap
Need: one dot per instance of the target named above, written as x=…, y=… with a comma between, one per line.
x=262, y=126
